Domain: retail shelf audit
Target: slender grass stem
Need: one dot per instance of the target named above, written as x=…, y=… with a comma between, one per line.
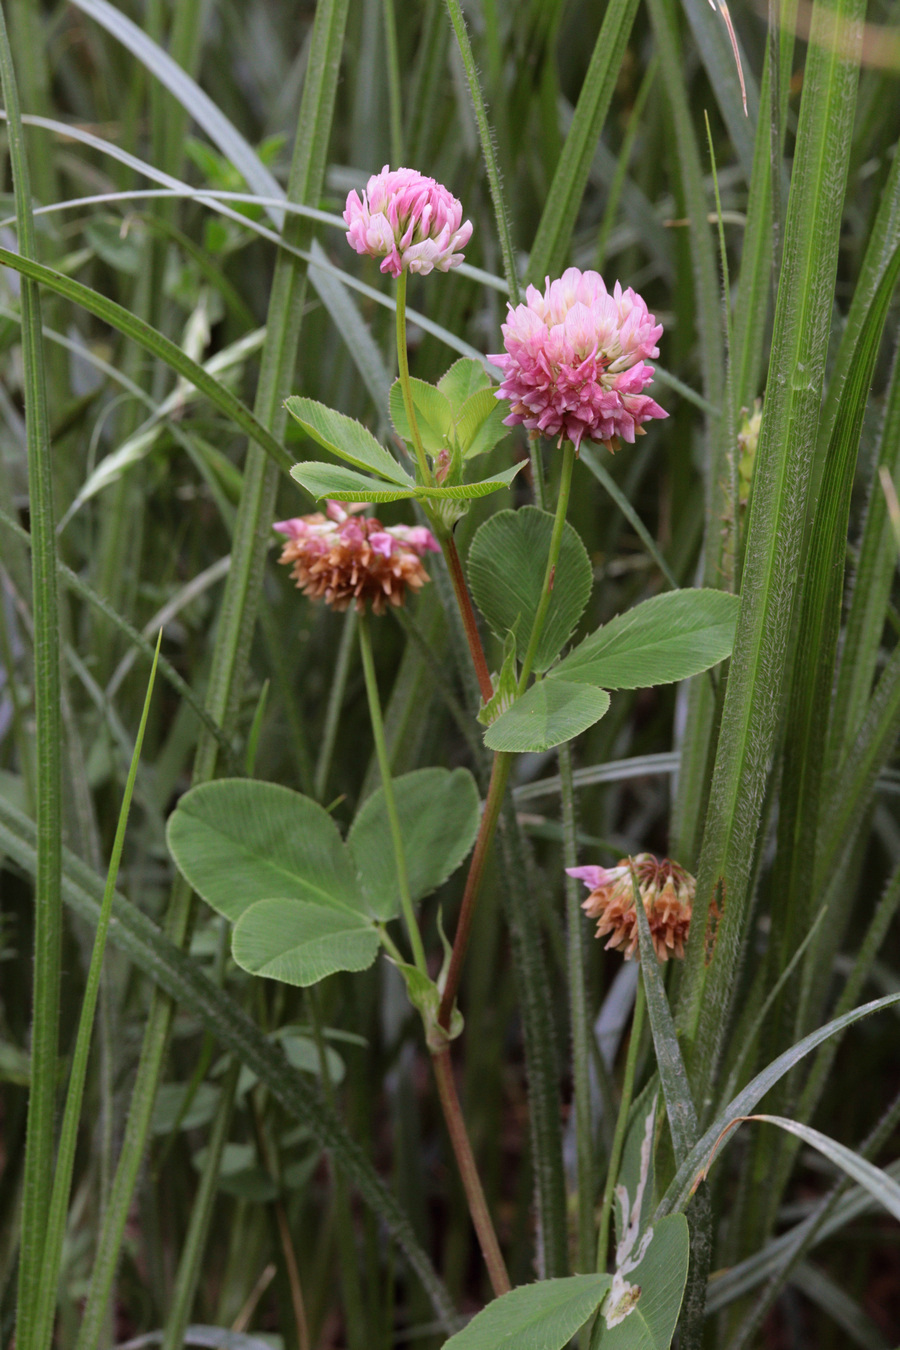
x=499, y=778
x=578, y=1018
x=335, y=702
x=540, y=617
x=384, y=764
x=465, y=1161
x=637, y=1026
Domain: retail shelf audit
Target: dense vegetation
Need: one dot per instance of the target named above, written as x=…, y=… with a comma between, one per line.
x=270, y=1156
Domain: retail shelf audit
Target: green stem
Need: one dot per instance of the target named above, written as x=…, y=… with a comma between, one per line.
x=637, y=1026
x=465, y=1161
x=384, y=764
x=403, y=366
x=540, y=617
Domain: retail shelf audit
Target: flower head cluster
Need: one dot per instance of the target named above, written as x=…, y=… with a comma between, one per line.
x=667, y=891
x=342, y=557
x=574, y=361
x=409, y=221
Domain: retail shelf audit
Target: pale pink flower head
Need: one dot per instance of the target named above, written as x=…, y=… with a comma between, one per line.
x=409, y=221
x=666, y=890
x=574, y=364
x=342, y=557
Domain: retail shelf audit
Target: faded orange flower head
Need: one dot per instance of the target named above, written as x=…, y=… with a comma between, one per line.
x=666, y=889
x=342, y=557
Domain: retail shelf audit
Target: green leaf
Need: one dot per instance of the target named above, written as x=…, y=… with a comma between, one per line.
x=680, y=1107
x=660, y=641
x=238, y=841
x=464, y=378
x=184, y=981
x=170, y=1098
x=479, y=425
x=542, y=1316
x=551, y=244
x=682, y=1185
x=439, y=815
x=550, y=712
x=346, y=485
x=880, y=1184
x=303, y=1053
x=346, y=438
x=507, y=559
x=661, y=1277
x=300, y=943
x=434, y=416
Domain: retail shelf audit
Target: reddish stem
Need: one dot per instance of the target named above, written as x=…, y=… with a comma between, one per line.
x=451, y=554
x=465, y=1161
x=499, y=775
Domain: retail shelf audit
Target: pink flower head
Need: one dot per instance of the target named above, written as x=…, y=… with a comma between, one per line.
x=409, y=221
x=574, y=361
x=342, y=557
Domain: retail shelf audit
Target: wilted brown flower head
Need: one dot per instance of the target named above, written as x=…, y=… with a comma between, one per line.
x=342, y=556
x=667, y=891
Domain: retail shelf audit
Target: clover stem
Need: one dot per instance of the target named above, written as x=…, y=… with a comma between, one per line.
x=465, y=1161
x=463, y=599
x=540, y=617
x=405, y=387
x=384, y=764
x=615, y=1157
x=499, y=778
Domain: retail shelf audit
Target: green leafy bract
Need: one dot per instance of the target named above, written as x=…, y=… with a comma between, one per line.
x=463, y=379
x=506, y=565
x=434, y=415
x=346, y=485
x=660, y=641
x=439, y=814
x=547, y=714
x=346, y=438
x=542, y=1316
x=479, y=423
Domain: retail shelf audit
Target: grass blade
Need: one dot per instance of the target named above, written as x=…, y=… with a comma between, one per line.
x=68, y=1139
x=48, y=737
x=549, y=252
x=777, y=514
